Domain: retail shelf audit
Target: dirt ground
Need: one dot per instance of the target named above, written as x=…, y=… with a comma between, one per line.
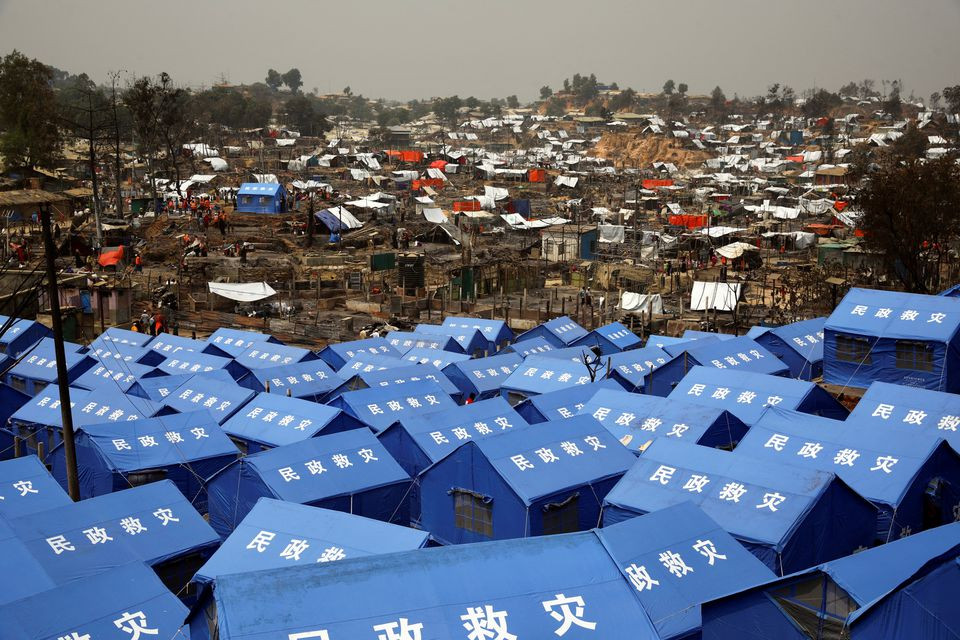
x=632, y=150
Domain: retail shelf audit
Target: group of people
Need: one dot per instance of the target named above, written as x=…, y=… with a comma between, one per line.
x=152, y=323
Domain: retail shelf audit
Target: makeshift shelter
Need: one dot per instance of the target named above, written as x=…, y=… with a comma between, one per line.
x=264, y=355
x=913, y=481
x=256, y=197
x=338, y=219
x=184, y=448
x=635, y=420
x=439, y=358
x=241, y=291
x=381, y=378
x=417, y=442
x=898, y=590
x=482, y=377
x=35, y=371
x=738, y=354
x=524, y=482
x=747, y=394
x=559, y=332
x=378, y=408
x=27, y=487
x=152, y=523
x=348, y=471
x=235, y=341
x=529, y=347
x=496, y=331
x=336, y=355
x=471, y=341
x=789, y=517
x=310, y=380
x=563, y=586
x=538, y=375
x=799, y=345
x=676, y=559
x=20, y=335
x=932, y=413
x=611, y=338
x=201, y=392
x=124, y=601
x=272, y=420
x=630, y=368
x=262, y=539
x=888, y=336
x=714, y=296
x=561, y=404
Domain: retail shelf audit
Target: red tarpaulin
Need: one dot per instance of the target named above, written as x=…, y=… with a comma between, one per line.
x=688, y=221
x=110, y=256
x=652, y=183
x=466, y=205
x=435, y=183
x=438, y=164
x=795, y=159
x=536, y=175
x=840, y=205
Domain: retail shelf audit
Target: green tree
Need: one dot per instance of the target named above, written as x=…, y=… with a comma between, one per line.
x=820, y=104
x=293, y=80
x=911, y=145
x=446, y=109
x=682, y=89
x=555, y=107
x=28, y=113
x=347, y=91
x=893, y=104
x=305, y=113
x=952, y=96
x=545, y=92
x=849, y=90
x=274, y=79
x=513, y=102
x=668, y=87
x=623, y=100
x=718, y=104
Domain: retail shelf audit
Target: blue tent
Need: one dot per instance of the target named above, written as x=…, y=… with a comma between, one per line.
x=933, y=413
x=379, y=408
x=336, y=355
x=116, y=353
x=22, y=574
x=677, y=348
x=439, y=358
x=184, y=448
x=914, y=481
x=612, y=338
x=404, y=341
x=636, y=419
x=258, y=197
x=574, y=354
x=264, y=355
x=311, y=380
x=35, y=371
x=419, y=441
x=348, y=471
x=116, y=376
x=904, y=338
x=876, y=594
x=789, y=517
x=523, y=482
x=277, y=534
x=27, y=487
x=395, y=376
x=369, y=362
x=125, y=601
x=559, y=332
x=747, y=394
x=561, y=404
x=798, y=344
x=654, y=340
x=531, y=347
x=539, y=374
x=553, y=586
x=201, y=392
x=235, y=341
x=123, y=337
x=272, y=420
x=153, y=523
x=157, y=389
x=693, y=334
x=631, y=367
x=169, y=345
x=10, y=402
x=737, y=354
x=482, y=377
x=20, y=335
x=676, y=559
x=197, y=362
x=471, y=341
x=497, y=332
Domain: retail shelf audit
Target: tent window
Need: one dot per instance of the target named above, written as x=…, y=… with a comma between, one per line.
x=852, y=349
x=264, y=200
x=18, y=383
x=515, y=398
x=917, y=356
x=473, y=512
x=146, y=476
x=3, y=347
x=562, y=517
x=246, y=199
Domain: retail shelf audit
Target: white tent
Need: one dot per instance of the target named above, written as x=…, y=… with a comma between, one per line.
x=242, y=292
x=722, y=296
x=638, y=303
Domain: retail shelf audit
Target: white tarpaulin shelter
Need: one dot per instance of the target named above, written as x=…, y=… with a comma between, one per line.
x=496, y=193
x=610, y=233
x=734, y=250
x=641, y=303
x=566, y=181
x=707, y=296
x=718, y=232
x=243, y=291
x=434, y=215
x=266, y=178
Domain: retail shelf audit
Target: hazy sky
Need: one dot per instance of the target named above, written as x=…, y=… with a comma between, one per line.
x=420, y=48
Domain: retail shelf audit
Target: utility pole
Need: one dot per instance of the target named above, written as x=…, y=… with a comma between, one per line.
x=63, y=382
x=310, y=222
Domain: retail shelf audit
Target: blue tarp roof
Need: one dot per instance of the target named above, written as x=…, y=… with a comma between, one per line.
x=708, y=563
x=169, y=345
x=636, y=419
x=564, y=403
x=332, y=220
x=310, y=379
x=41, y=364
x=259, y=189
x=116, y=375
x=127, y=601
x=116, y=353
x=804, y=337
x=896, y=315
x=482, y=375
x=495, y=331
x=574, y=354
x=201, y=392
x=616, y=334
x=20, y=335
x=23, y=575
x=162, y=522
x=654, y=340
x=562, y=331
x=89, y=407
x=259, y=540
x=410, y=373
x=379, y=408
x=737, y=354
x=747, y=394
x=268, y=354
x=276, y=420
x=160, y=387
x=440, y=588
x=27, y=487
x=539, y=374
x=404, y=341
x=195, y=362
x=693, y=334
x=439, y=358
x=518, y=456
x=236, y=341
x=531, y=346
x=631, y=366
x=369, y=362
x=116, y=335
x=470, y=340
x=336, y=355
x=934, y=413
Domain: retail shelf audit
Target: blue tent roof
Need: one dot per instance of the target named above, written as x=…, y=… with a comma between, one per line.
x=573, y=354
x=150, y=523
x=655, y=340
x=559, y=332
x=804, y=337
x=737, y=354
x=539, y=374
x=336, y=355
x=693, y=334
x=892, y=314
x=23, y=575
x=259, y=189
x=636, y=419
x=439, y=358
x=482, y=375
x=395, y=376
x=236, y=341
x=89, y=407
x=935, y=413
x=276, y=420
x=332, y=220
x=775, y=509
x=379, y=407
x=470, y=340
x=531, y=346
x=41, y=364
x=197, y=362
x=200, y=392
x=268, y=354
x=117, y=353
x=311, y=379
x=122, y=601
x=27, y=487
x=747, y=394
x=404, y=341
x=630, y=367
x=120, y=376
x=495, y=331
x=563, y=403
x=158, y=388
x=169, y=345
x=369, y=362
x=20, y=335
x=613, y=338
x=709, y=563
x=259, y=540
x=440, y=588
x=118, y=336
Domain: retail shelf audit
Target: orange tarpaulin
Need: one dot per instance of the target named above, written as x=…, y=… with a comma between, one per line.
x=840, y=205
x=466, y=205
x=688, y=221
x=536, y=175
x=111, y=256
x=435, y=183
x=406, y=156
x=438, y=164
x=653, y=183
x=795, y=159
